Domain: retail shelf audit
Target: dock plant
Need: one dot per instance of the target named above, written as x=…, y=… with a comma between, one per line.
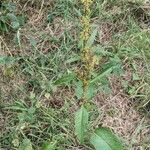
x=102, y=137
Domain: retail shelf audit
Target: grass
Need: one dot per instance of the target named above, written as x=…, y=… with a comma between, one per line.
x=33, y=106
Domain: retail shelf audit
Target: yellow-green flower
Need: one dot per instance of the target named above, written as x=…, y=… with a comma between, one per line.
x=86, y=57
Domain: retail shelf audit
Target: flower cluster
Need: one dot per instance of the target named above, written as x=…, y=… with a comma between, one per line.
x=86, y=6
x=85, y=27
x=86, y=57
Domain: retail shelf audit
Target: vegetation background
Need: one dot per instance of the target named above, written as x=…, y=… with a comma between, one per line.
x=39, y=53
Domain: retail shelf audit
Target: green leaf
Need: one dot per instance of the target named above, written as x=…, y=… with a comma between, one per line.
x=114, y=62
x=14, y=20
x=15, y=24
x=90, y=91
x=81, y=122
x=102, y=75
x=6, y=59
x=135, y=77
x=65, y=79
x=92, y=38
x=20, y=106
x=22, y=116
x=104, y=139
x=33, y=42
x=99, y=50
x=26, y=145
x=48, y=146
x=73, y=59
x=3, y=26
x=10, y=6
x=79, y=89
x=21, y=19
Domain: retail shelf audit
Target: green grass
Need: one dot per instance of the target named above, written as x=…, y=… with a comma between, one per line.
x=32, y=105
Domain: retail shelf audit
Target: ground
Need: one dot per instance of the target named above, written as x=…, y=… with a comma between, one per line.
x=37, y=103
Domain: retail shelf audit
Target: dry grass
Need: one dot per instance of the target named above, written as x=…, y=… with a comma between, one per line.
x=118, y=112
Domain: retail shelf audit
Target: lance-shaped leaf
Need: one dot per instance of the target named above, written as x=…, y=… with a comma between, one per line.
x=104, y=139
x=92, y=38
x=81, y=122
x=102, y=75
x=65, y=79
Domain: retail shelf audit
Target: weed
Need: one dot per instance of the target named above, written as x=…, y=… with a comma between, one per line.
x=41, y=81
x=100, y=139
x=9, y=19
